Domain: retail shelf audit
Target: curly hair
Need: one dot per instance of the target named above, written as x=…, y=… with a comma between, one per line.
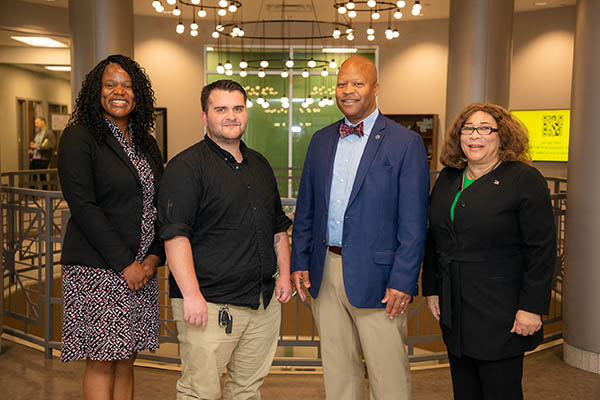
x=514, y=141
x=89, y=112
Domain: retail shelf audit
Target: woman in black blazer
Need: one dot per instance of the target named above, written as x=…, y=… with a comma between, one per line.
x=490, y=253
x=109, y=168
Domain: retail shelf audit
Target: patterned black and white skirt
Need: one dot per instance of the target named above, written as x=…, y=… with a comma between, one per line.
x=103, y=319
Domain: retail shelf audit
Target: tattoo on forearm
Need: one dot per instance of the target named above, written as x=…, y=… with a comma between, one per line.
x=277, y=240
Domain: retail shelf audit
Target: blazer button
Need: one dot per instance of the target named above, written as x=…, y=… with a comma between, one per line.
x=323, y=241
x=463, y=204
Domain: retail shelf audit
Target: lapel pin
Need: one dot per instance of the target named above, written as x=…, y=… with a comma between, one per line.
x=496, y=182
x=377, y=136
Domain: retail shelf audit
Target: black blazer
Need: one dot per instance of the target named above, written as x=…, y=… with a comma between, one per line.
x=104, y=194
x=496, y=257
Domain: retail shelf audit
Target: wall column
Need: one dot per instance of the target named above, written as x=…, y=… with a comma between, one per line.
x=581, y=327
x=98, y=28
x=479, y=54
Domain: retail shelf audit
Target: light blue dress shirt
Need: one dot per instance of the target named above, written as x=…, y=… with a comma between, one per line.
x=347, y=157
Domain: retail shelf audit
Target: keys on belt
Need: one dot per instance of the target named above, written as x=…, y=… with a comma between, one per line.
x=335, y=249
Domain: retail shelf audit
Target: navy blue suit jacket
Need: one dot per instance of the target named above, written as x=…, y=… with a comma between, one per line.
x=385, y=220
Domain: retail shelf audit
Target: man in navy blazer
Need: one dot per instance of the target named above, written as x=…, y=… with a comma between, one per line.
x=358, y=239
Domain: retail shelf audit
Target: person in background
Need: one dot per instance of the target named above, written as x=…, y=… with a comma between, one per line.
x=358, y=239
x=42, y=147
x=109, y=168
x=490, y=253
x=225, y=234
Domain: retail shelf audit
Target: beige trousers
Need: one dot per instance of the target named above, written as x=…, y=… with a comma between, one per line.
x=247, y=352
x=345, y=329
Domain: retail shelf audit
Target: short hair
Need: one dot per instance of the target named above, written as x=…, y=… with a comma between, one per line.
x=514, y=141
x=223, y=84
x=42, y=118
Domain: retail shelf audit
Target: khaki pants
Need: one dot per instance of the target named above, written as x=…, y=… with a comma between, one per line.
x=247, y=352
x=345, y=329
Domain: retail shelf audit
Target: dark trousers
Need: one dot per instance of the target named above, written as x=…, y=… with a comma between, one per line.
x=474, y=379
x=39, y=164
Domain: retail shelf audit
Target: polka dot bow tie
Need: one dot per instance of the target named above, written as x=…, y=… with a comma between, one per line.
x=346, y=130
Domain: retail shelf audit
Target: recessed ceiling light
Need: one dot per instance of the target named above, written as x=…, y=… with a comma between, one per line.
x=62, y=68
x=38, y=41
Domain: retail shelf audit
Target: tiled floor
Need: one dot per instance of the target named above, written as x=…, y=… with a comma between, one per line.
x=25, y=374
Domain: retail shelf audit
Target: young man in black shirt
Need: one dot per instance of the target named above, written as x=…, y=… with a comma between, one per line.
x=220, y=213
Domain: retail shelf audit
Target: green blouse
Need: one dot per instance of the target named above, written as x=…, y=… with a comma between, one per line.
x=466, y=183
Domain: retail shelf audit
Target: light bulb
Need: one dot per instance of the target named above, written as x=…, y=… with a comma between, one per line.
x=371, y=37
x=388, y=32
x=352, y=14
x=396, y=33
x=232, y=8
x=220, y=28
x=171, y=2
x=289, y=63
x=330, y=101
x=261, y=73
x=220, y=69
x=285, y=105
x=324, y=73
x=398, y=14
x=370, y=31
x=249, y=103
x=337, y=32
x=375, y=15
x=195, y=1
x=350, y=36
x=156, y=3
x=176, y=11
x=371, y=3
x=194, y=32
x=332, y=64
x=222, y=3
x=228, y=65
x=349, y=31
x=312, y=63
x=243, y=73
x=321, y=103
x=202, y=13
x=400, y=3
x=310, y=100
x=304, y=104
x=241, y=32
x=417, y=4
x=160, y=8
x=285, y=100
x=284, y=74
x=415, y=11
x=260, y=100
x=342, y=10
x=235, y=29
x=229, y=72
x=264, y=63
x=180, y=28
x=350, y=5
x=194, y=26
x=305, y=73
x=222, y=12
x=265, y=104
x=243, y=64
x=215, y=34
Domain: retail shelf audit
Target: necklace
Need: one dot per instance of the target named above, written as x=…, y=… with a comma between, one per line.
x=474, y=177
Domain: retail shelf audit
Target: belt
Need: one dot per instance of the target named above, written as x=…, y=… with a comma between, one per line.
x=335, y=249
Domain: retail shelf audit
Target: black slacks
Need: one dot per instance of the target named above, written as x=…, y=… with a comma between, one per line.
x=474, y=379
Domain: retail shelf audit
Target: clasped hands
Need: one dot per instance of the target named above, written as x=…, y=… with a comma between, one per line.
x=396, y=301
x=137, y=275
x=525, y=323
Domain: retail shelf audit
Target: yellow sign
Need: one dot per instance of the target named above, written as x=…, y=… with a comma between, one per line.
x=548, y=133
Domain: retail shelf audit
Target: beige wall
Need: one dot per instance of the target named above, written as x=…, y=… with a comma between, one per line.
x=17, y=83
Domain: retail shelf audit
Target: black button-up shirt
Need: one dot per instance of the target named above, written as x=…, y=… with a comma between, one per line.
x=230, y=212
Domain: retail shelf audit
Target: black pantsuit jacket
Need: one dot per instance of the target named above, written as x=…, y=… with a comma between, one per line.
x=104, y=193
x=496, y=257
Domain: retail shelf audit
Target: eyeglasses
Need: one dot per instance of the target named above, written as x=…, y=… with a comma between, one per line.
x=483, y=130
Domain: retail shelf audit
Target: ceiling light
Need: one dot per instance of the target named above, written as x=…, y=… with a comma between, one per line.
x=284, y=74
x=194, y=26
x=60, y=68
x=171, y=2
x=312, y=63
x=243, y=73
x=264, y=64
x=220, y=69
x=176, y=11
x=232, y=8
x=249, y=103
x=324, y=73
x=332, y=64
x=289, y=63
x=398, y=14
x=156, y=4
x=194, y=32
x=340, y=50
x=228, y=65
x=39, y=41
x=202, y=13
x=228, y=72
x=342, y=10
x=371, y=3
x=375, y=15
x=401, y=4
x=243, y=64
x=215, y=34
x=350, y=5
x=352, y=14
x=222, y=3
x=180, y=28
x=261, y=73
x=222, y=12
x=305, y=73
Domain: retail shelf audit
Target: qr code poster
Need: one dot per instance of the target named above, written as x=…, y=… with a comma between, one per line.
x=548, y=133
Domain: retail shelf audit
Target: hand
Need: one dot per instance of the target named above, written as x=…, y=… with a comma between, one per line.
x=301, y=278
x=433, y=303
x=135, y=276
x=195, y=311
x=150, y=265
x=526, y=323
x=396, y=302
x=283, y=288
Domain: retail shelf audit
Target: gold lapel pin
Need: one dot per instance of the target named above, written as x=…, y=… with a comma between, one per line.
x=377, y=136
x=496, y=182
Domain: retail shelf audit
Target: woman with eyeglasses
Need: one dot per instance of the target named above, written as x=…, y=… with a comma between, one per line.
x=490, y=253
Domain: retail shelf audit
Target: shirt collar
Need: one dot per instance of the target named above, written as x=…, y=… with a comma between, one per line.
x=369, y=122
x=224, y=153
